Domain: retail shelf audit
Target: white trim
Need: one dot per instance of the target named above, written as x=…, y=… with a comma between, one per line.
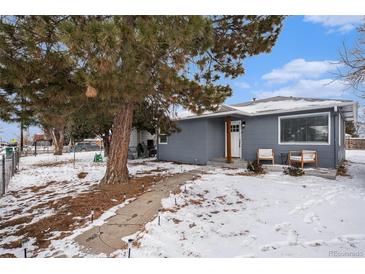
x=159, y=138
x=240, y=137
x=306, y=143
x=223, y=113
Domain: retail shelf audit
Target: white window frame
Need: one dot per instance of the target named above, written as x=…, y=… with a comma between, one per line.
x=159, y=139
x=305, y=115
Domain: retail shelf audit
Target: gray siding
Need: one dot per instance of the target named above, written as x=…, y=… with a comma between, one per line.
x=201, y=140
x=262, y=132
x=187, y=146
x=215, y=138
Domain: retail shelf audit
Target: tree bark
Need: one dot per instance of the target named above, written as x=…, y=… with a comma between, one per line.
x=117, y=170
x=106, y=144
x=57, y=140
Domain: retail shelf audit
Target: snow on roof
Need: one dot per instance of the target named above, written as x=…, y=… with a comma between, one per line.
x=270, y=106
x=276, y=104
x=181, y=113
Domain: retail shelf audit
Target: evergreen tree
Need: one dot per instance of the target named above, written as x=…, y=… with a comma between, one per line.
x=127, y=61
x=351, y=129
x=163, y=60
x=37, y=75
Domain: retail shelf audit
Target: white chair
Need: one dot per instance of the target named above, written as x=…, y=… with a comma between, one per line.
x=305, y=157
x=265, y=154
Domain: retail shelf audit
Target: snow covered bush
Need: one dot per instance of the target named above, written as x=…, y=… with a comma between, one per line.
x=294, y=171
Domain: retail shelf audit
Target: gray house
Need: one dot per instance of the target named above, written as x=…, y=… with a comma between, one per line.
x=280, y=123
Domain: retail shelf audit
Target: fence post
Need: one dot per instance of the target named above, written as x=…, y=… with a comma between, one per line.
x=3, y=175
x=17, y=159
x=13, y=163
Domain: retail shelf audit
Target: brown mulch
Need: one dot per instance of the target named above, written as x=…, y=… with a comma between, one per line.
x=82, y=175
x=152, y=171
x=53, y=164
x=7, y=255
x=196, y=202
x=14, y=244
x=74, y=212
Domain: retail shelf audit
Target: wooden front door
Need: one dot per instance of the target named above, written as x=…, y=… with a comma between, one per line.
x=235, y=139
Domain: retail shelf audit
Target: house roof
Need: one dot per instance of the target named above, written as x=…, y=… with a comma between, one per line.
x=279, y=104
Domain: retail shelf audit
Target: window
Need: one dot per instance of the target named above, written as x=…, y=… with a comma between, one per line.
x=163, y=139
x=235, y=128
x=304, y=129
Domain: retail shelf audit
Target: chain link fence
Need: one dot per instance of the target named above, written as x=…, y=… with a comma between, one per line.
x=9, y=165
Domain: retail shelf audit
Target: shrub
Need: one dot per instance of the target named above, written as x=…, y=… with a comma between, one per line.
x=294, y=171
x=255, y=167
x=342, y=170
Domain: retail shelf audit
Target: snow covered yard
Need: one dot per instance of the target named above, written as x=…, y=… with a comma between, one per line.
x=50, y=198
x=274, y=215
x=222, y=214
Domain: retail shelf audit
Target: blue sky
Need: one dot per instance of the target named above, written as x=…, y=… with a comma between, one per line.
x=303, y=63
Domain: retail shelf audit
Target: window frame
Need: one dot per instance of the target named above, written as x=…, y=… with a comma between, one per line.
x=305, y=115
x=159, y=139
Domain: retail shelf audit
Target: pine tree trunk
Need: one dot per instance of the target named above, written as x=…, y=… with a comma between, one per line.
x=117, y=170
x=106, y=144
x=57, y=140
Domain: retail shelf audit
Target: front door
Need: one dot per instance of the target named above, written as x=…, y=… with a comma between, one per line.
x=235, y=139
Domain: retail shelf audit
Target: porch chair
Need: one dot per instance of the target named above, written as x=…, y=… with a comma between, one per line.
x=304, y=157
x=265, y=154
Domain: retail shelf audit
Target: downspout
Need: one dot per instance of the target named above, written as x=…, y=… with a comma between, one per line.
x=335, y=130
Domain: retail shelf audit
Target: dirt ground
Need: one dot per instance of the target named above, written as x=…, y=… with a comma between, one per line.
x=70, y=212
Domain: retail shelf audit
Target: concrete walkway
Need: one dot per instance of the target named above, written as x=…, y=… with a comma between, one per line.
x=132, y=217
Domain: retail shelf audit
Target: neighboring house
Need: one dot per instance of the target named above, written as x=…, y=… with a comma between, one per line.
x=146, y=139
x=42, y=140
x=141, y=136
x=281, y=123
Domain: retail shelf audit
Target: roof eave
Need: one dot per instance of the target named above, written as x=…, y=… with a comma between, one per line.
x=239, y=112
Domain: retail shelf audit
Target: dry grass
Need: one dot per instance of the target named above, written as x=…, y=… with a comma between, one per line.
x=53, y=164
x=152, y=171
x=72, y=212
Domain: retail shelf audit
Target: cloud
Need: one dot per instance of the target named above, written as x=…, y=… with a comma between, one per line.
x=325, y=88
x=242, y=85
x=336, y=23
x=300, y=68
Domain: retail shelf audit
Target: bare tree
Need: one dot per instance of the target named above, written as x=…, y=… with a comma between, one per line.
x=354, y=64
